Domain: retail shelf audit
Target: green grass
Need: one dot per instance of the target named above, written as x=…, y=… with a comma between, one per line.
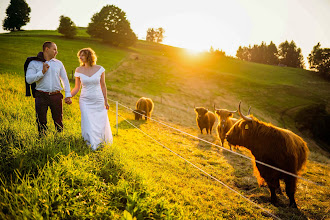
x=19, y=47
x=59, y=177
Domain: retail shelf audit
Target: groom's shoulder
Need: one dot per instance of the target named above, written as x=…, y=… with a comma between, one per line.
x=57, y=61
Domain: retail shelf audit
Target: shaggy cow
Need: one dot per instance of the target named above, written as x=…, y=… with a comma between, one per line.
x=272, y=145
x=144, y=106
x=205, y=119
x=225, y=122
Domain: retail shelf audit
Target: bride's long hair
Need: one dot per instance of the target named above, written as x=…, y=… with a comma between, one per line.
x=90, y=56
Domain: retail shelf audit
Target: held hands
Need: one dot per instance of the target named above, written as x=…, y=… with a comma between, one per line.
x=45, y=67
x=68, y=100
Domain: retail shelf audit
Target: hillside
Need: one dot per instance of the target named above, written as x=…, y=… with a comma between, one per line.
x=136, y=173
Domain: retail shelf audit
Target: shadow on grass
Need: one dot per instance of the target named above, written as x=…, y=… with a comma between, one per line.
x=28, y=156
x=202, y=145
x=128, y=124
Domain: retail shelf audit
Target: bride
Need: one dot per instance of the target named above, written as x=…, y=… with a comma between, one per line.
x=93, y=102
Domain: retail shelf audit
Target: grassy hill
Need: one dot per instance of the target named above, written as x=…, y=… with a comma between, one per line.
x=58, y=176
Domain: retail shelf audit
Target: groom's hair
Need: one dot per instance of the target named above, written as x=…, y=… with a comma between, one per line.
x=47, y=44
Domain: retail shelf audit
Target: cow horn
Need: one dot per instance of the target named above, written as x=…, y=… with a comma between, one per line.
x=249, y=111
x=233, y=111
x=243, y=116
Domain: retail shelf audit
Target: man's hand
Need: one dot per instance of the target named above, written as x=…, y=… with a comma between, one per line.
x=45, y=67
x=68, y=100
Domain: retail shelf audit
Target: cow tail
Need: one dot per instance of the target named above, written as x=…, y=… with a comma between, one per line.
x=302, y=158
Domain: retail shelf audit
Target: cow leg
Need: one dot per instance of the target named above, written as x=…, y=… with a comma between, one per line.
x=202, y=130
x=273, y=197
x=230, y=146
x=290, y=188
x=278, y=188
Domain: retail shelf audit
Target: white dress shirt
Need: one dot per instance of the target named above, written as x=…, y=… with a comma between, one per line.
x=50, y=81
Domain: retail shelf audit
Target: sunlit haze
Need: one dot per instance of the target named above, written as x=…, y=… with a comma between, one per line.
x=198, y=25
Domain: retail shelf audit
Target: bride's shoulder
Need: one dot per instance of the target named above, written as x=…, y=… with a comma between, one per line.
x=79, y=69
x=99, y=67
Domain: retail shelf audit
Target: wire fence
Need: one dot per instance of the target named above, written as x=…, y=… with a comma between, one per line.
x=204, y=172
x=215, y=145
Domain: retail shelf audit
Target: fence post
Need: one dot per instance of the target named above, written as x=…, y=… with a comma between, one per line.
x=117, y=116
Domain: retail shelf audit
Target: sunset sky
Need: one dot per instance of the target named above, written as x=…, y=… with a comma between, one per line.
x=198, y=25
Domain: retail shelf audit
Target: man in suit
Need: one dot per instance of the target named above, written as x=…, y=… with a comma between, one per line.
x=47, y=76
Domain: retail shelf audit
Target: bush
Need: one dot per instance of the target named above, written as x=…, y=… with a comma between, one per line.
x=316, y=120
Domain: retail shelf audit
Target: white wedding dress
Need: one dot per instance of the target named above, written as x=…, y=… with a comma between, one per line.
x=95, y=126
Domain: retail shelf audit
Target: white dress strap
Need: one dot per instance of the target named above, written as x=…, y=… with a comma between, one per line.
x=101, y=69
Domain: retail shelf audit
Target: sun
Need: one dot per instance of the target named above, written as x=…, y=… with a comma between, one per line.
x=194, y=52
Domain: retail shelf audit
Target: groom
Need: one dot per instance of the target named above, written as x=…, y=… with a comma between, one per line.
x=47, y=76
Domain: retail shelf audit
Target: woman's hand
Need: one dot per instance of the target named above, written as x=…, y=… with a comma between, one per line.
x=107, y=106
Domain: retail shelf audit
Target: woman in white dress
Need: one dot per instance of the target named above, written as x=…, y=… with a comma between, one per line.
x=93, y=102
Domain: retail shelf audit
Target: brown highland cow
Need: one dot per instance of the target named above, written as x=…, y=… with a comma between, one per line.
x=225, y=122
x=272, y=145
x=144, y=106
x=205, y=119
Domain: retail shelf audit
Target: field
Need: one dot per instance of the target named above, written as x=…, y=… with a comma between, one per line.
x=59, y=177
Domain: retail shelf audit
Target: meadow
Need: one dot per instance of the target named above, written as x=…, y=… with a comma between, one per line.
x=60, y=177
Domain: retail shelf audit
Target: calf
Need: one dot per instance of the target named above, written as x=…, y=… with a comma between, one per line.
x=144, y=106
x=225, y=122
x=205, y=119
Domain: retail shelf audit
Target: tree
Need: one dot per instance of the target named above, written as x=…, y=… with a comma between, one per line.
x=243, y=53
x=160, y=35
x=151, y=35
x=217, y=52
x=155, y=35
x=290, y=55
x=272, y=54
x=319, y=59
x=112, y=26
x=67, y=27
x=18, y=13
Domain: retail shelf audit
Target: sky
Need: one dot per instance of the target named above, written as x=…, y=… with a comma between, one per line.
x=198, y=25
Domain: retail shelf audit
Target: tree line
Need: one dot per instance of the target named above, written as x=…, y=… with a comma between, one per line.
x=112, y=26
x=287, y=54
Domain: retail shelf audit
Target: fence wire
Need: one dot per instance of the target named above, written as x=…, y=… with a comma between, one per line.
x=207, y=174
x=223, y=148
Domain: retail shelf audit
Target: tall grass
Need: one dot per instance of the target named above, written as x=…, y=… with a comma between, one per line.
x=58, y=176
